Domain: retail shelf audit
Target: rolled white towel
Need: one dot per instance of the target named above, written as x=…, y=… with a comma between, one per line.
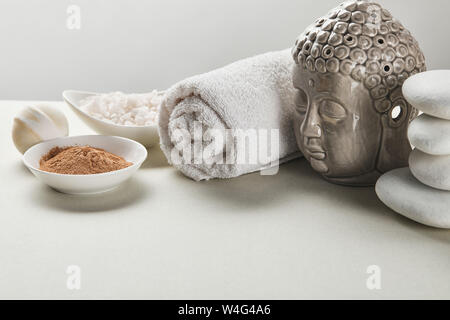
x=255, y=93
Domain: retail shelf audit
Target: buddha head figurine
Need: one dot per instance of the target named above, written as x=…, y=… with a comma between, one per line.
x=351, y=119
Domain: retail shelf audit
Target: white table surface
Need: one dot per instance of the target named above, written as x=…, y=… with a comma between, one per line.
x=163, y=236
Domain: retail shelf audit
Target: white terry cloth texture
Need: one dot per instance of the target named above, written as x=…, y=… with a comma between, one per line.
x=254, y=93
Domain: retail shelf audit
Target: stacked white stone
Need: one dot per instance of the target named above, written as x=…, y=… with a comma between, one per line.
x=430, y=133
x=425, y=197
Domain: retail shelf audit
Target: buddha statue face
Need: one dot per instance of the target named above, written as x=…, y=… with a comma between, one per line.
x=338, y=129
x=351, y=119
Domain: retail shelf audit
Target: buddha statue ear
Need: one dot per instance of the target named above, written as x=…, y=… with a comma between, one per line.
x=395, y=146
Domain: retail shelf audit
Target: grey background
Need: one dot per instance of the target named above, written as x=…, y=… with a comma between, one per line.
x=136, y=45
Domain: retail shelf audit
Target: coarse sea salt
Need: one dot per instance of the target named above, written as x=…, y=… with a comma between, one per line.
x=137, y=109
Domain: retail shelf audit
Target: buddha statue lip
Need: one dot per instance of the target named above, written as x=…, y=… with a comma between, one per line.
x=317, y=155
x=316, y=152
x=314, y=148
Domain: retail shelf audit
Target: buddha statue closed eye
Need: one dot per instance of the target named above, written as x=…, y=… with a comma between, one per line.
x=351, y=119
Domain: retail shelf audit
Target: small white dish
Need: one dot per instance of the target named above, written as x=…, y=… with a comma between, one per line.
x=146, y=135
x=130, y=150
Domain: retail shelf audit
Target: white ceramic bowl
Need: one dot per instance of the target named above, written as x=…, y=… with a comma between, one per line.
x=147, y=135
x=130, y=150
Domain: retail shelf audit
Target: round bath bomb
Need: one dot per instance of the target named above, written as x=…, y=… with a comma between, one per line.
x=430, y=135
x=434, y=171
x=401, y=192
x=429, y=92
x=35, y=124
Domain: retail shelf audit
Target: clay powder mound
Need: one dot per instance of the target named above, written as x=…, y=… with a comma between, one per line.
x=81, y=160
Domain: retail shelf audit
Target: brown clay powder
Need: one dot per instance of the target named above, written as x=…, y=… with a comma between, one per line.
x=81, y=160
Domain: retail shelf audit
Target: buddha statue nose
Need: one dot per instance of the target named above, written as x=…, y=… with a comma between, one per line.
x=311, y=125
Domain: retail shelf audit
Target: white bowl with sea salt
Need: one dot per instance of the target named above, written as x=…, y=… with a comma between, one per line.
x=130, y=150
x=111, y=114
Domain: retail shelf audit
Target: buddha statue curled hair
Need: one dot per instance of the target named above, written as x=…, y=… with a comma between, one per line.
x=351, y=119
